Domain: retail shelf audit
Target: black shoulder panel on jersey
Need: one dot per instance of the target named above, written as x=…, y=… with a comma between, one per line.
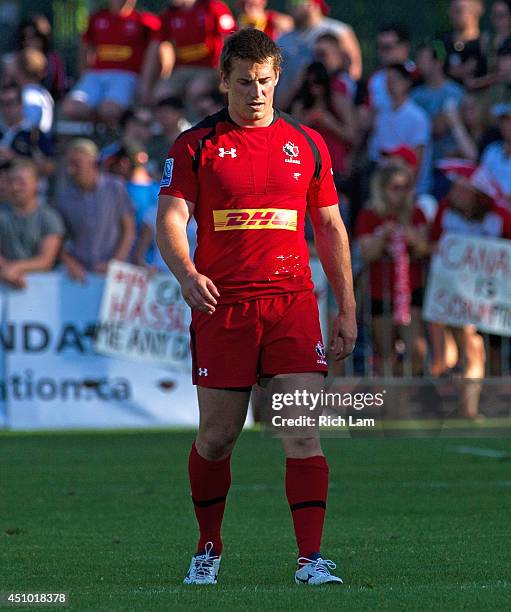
x=209, y=122
x=315, y=151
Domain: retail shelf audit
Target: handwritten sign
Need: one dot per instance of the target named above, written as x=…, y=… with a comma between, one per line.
x=470, y=284
x=143, y=316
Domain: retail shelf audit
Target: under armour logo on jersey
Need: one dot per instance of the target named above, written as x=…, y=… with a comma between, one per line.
x=203, y=371
x=223, y=152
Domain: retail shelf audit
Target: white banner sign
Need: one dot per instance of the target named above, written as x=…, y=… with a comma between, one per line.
x=53, y=379
x=470, y=284
x=143, y=316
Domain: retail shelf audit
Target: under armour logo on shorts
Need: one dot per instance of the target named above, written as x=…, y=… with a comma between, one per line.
x=203, y=371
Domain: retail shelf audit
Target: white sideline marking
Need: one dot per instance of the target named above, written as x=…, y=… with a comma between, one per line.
x=481, y=452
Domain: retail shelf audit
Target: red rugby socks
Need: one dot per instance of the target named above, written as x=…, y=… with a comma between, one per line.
x=306, y=490
x=210, y=482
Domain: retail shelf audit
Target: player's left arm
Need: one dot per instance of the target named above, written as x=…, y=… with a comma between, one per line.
x=333, y=250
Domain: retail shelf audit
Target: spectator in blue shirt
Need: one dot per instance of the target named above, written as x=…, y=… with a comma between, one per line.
x=437, y=93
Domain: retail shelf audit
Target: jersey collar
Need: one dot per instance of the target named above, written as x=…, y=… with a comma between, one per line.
x=226, y=117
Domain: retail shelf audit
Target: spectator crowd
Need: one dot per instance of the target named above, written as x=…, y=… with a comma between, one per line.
x=420, y=146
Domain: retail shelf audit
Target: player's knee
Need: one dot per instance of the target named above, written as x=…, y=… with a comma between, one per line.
x=215, y=445
x=302, y=447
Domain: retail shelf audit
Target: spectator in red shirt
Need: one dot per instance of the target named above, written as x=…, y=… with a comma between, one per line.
x=111, y=56
x=189, y=43
x=254, y=14
x=392, y=234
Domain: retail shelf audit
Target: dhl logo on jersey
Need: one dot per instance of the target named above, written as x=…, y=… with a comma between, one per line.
x=255, y=218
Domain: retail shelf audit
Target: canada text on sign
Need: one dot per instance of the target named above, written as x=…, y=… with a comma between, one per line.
x=470, y=284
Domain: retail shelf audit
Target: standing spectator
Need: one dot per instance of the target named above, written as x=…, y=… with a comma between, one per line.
x=329, y=114
x=170, y=117
x=405, y=123
x=111, y=55
x=134, y=126
x=496, y=158
x=191, y=39
x=298, y=45
x=35, y=32
x=130, y=163
x=30, y=68
x=97, y=212
x=329, y=51
x=30, y=233
x=392, y=234
x=393, y=47
x=500, y=91
x=434, y=95
x=255, y=14
x=463, y=46
x=500, y=16
x=466, y=128
x=471, y=114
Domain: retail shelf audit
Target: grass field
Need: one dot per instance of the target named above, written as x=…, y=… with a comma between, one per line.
x=412, y=524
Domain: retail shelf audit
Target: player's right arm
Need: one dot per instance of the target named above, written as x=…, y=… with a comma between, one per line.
x=198, y=290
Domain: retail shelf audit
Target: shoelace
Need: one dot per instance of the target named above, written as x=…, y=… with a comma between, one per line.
x=203, y=563
x=323, y=566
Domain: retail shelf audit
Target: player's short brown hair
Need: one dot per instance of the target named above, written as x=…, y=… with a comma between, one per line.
x=250, y=44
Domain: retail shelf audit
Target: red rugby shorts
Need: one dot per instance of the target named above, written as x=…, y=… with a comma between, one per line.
x=245, y=341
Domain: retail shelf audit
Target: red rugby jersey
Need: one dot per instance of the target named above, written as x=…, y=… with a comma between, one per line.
x=120, y=41
x=251, y=188
x=197, y=33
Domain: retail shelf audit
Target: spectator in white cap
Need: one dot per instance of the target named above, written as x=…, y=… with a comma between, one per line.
x=496, y=158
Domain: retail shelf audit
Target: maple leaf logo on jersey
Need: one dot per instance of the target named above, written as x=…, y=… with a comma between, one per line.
x=291, y=149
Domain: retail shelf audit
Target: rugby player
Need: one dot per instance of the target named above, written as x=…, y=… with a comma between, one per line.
x=248, y=175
